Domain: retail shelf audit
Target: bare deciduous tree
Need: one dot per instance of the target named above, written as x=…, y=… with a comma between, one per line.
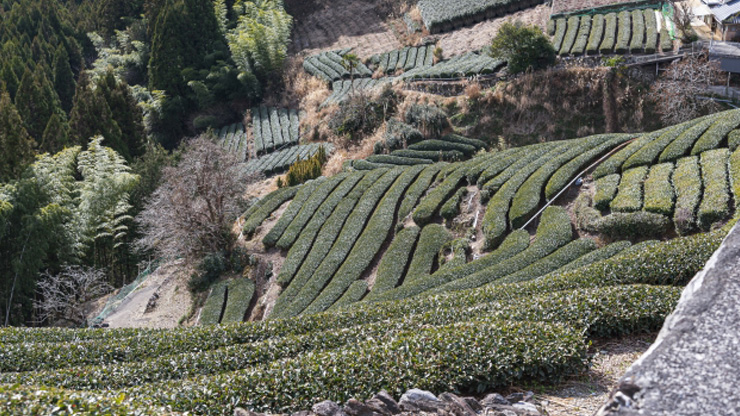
x=192, y=212
x=64, y=295
x=677, y=93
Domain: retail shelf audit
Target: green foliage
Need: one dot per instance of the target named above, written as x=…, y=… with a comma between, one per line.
x=523, y=47
x=429, y=119
x=614, y=163
x=36, y=101
x=733, y=139
x=633, y=225
x=443, y=145
x=91, y=115
x=208, y=272
x=610, y=33
x=685, y=141
x=623, y=33
x=359, y=115
x=595, y=35
x=651, y=31
x=659, y=193
x=734, y=174
x=64, y=79
x=280, y=161
x=393, y=264
x=354, y=293
x=433, y=238
x=559, y=258
x=715, y=201
x=305, y=170
x=630, y=195
x=570, y=35
x=213, y=309
x=241, y=292
x=561, y=25
x=638, y=31
x=17, y=145
x=272, y=202
x=431, y=203
x=717, y=133
x=259, y=41
x=417, y=189
x=397, y=135
x=687, y=183
x=397, y=160
x=433, y=155
x=451, y=208
x=304, y=193
x=606, y=190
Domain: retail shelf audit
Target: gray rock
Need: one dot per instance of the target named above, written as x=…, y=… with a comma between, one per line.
x=384, y=404
x=515, y=397
x=456, y=405
x=492, y=399
x=414, y=395
x=327, y=408
x=429, y=406
x=473, y=404
x=528, y=396
x=357, y=408
x=526, y=408
x=244, y=412
x=505, y=412
x=302, y=413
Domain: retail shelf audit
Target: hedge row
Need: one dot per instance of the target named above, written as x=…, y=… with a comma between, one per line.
x=501, y=162
x=363, y=165
x=584, y=30
x=514, y=244
x=685, y=141
x=273, y=128
x=527, y=199
x=717, y=134
x=649, y=153
x=12, y=335
x=513, y=164
x=304, y=193
x=233, y=139
x=659, y=195
x=597, y=32
x=305, y=242
x=475, y=167
x=467, y=65
x=367, y=246
x=638, y=31
x=433, y=155
x=610, y=33
x=734, y=174
x=214, y=306
x=687, y=184
x=559, y=258
x=495, y=221
x=34, y=400
x=451, y=208
x=433, y=238
x=733, y=139
x=666, y=42
x=241, y=292
x=444, y=15
x=553, y=232
x=398, y=160
x=431, y=203
x=393, y=264
x=623, y=33
x=294, y=301
x=458, y=248
x=280, y=161
x=651, y=31
x=614, y=163
x=443, y=145
x=715, y=202
x=629, y=197
x=603, y=253
x=356, y=291
x=561, y=25
x=342, y=90
x=643, y=264
x=329, y=188
x=638, y=224
x=456, y=138
x=606, y=190
x=417, y=189
x=570, y=35
x=329, y=67
x=273, y=202
x=390, y=62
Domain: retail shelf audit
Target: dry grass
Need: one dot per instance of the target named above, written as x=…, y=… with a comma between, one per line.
x=295, y=86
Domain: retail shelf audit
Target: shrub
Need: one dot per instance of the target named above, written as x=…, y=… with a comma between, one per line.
x=570, y=35
x=456, y=138
x=685, y=141
x=514, y=244
x=397, y=135
x=579, y=47
x=432, y=121
x=666, y=41
x=629, y=197
x=715, y=202
x=393, y=264
x=717, y=133
x=359, y=116
x=633, y=225
x=451, y=208
x=659, y=194
x=459, y=249
x=561, y=25
x=651, y=31
x=331, y=253
x=550, y=30
x=433, y=238
x=597, y=32
x=524, y=47
x=239, y=298
x=561, y=257
x=209, y=270
x=431, y=203
x=417, y=189
x=433, y=155
x=610, y=33
x=366, y=247
x=686, y=182
x=213, y=309
x=305, y=170
x=606, y=190
x=304, y=193
x=442, y=145
x=398, y=160
x=733, y=139
x=623, y=33
x=587, y=218
x=638, y=31
x=313, y=203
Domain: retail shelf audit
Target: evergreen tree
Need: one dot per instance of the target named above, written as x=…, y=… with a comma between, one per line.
x=126, y=113
x=166, y=58
x=10, y=80
x=37, y=101
x=64, y=81
x=17, y=146
x=91, y=117
x=56, y=135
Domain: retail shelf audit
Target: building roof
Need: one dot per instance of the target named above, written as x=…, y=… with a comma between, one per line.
x=725, y=9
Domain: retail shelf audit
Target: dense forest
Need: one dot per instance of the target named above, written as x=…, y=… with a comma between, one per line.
x=95, y=98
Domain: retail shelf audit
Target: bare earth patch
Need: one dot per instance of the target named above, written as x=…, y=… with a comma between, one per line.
x=582, y=396
x=479, y=36
x=356, y=24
